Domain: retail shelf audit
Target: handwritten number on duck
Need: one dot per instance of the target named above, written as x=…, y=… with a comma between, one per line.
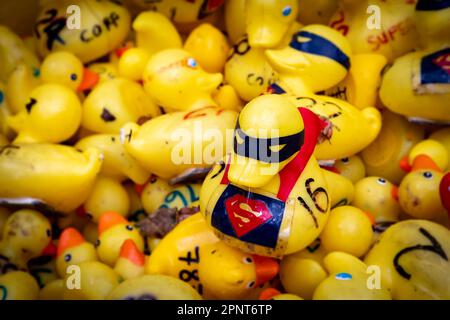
x=53, y=28
x=435, y=247
x=313, y=196
x=3, y=292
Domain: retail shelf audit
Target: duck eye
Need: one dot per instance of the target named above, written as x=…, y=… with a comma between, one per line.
x=73, y=77
x=67, y=257
x=49, y=233
x=129, y=228
x=345, y=160
x=97, y=243
x=247, y=260
x=286, y=11
x=192, y=63
x=250, y=284
x=343, y=276
x=381, y=181
x=428, y=174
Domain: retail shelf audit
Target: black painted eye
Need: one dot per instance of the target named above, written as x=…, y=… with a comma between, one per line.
x=67, y=257
x=73, y=77
x=428, y=174
x=129, y=228
x=49, y=233
x=381, y=181
x=250, y=284
x=345, y=160
x=97, y=243
x=247, y=260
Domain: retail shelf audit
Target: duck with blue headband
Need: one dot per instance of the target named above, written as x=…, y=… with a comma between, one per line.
x=316, y=59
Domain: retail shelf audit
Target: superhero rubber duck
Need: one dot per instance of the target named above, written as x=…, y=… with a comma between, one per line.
x=60, y=176
x=348, y=280
x=244, y=18
x=270, y=196
x=386, y=27
x=396, y=138
x=413, y=257
x=200, y=254
x=154, y=287
x=103, y=26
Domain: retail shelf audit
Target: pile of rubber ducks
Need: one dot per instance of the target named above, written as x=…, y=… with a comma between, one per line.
x=192, y=150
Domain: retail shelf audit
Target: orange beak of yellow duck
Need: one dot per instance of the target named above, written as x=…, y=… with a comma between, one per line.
x=130, y=251
x=69, y=238
x=110, y=219
x=266, y=269
x=89, y=80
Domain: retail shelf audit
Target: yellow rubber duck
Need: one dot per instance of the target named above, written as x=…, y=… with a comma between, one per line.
x=64, y=68
x=200, y=254
x=103, y=26
x=154, y=287
x=419, y=192
x=26, y=235
x=302, y=271
x=159, y=194
x=382, y=26
x=155, y=32
x=49, y=106
x=172, y=143
x=113, y=103
x=113, y=230
x=58, y=175
x=72, y=250
x=176, y=81
x=131, y=261
x=316, y=11
x=413, y=259
x=360, y=86
x=349, y=230
x=18, y=285
x=396, y=138
x=379, y=197
x=270, y=196
x=349, y=279
x=244, y=18
x=208, y=46
x=91, y=280
x=14, y=52
x=352, y=168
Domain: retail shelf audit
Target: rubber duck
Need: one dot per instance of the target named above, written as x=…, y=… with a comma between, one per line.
x=14, y=52
x=442, y=136
x=41, y=171
x=49, y=106
x=171, y=144
x=389, y=29
x=113, y=230
x=154, y=287
x=413, y=259
x=200, y=254
x=176, y=81
x=113, y=103
x=104, y=25
x=379, y=197
x=159, y=194
x=316, y=12
x=65, y=68
x=105, y=71
x=208, y=46
x=360, y=86
x=26, y=235
x=148, y=26
x=52, y=290
x=302, y=271
x=340, y=189
x=352, y=168
x=72, y=250
x=349, y=230
x=18, y=285
x=248, y=70
x=273, y=201
x=419, y=192
x=91, y=280
x=396, y=138
x=348, y=280
x=182, y=12
x=244, y=18
x=130, y=263
x=132, y=63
